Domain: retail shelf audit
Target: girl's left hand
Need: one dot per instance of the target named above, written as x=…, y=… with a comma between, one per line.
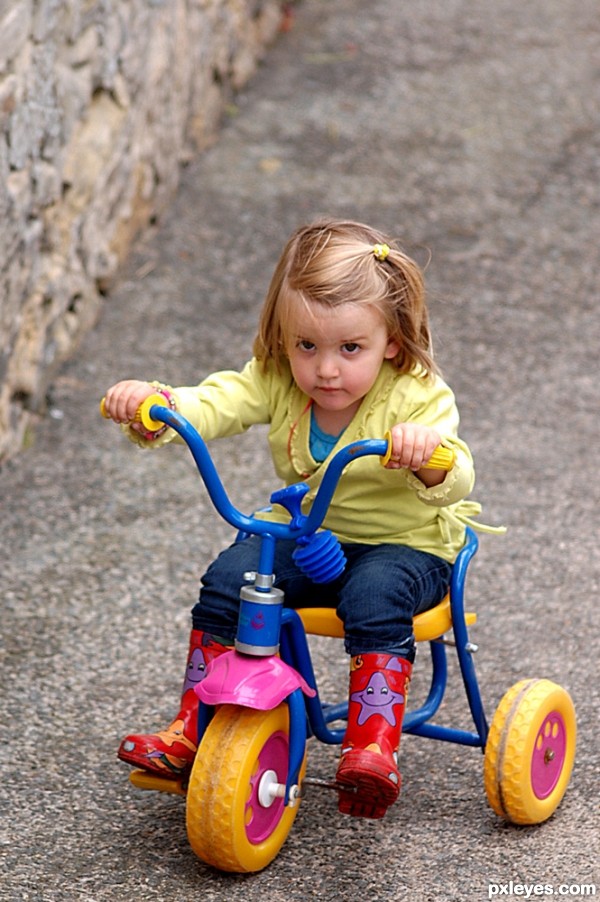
x=412, y=446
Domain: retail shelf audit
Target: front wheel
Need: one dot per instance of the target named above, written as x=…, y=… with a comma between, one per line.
x=530, y=751
x=233, y=824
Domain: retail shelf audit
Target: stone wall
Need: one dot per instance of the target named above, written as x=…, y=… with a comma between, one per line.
x=100, y=101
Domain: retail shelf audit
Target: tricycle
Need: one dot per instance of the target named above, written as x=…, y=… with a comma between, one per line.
x=260, y=702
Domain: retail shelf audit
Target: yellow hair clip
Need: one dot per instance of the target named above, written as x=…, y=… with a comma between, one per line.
x=381, y=251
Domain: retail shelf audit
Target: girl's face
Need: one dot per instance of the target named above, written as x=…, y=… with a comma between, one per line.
x=336, y=353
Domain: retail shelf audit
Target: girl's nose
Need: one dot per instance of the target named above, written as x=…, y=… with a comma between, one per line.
x=326, y=366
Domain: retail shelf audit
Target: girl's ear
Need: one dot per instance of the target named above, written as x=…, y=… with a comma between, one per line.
x=393, y=347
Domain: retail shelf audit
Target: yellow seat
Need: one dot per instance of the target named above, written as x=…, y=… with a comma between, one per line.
x=427, y=626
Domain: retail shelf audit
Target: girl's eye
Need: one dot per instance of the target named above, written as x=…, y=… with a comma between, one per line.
x=305, y=345
x=351, y=347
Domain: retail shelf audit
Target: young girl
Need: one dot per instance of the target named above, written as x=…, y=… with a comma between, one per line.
x=343, y=352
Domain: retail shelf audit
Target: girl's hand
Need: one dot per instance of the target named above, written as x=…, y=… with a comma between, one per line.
x=412, y=446
x=123, y=399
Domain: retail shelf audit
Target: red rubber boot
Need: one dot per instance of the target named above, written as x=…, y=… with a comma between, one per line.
x=171, y=752
x=369, y=763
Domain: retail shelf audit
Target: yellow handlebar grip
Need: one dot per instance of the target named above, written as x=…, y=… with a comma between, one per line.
x=384, y=459
x=441, y=459
x=142, y=414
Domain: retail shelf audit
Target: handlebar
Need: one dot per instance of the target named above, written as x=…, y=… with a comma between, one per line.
x=155, y=412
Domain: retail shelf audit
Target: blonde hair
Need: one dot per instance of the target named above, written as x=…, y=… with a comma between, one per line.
x=334, y=262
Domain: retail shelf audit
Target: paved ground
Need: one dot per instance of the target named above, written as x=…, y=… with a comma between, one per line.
x=471, y=130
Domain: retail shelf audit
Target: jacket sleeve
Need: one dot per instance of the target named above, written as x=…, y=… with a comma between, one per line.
x=225, y=403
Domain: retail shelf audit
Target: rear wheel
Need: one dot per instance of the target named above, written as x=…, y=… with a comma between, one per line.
x=234, y=822
x=530, y=751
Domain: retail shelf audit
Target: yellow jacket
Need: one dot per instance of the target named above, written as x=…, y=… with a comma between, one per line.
x=371, y=504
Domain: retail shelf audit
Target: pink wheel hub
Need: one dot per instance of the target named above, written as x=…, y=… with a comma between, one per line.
x=262, y=819
x=548, y=755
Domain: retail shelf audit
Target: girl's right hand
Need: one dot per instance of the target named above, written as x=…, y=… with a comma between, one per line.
x=123, y=399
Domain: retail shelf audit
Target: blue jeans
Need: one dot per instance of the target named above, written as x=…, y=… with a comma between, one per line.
x=376, y=597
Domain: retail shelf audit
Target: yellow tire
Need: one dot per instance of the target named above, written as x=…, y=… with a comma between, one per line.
x=230, y=823
x=530, y=751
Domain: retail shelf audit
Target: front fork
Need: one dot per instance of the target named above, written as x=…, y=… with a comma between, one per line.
x=255, y=675
x=298, y=736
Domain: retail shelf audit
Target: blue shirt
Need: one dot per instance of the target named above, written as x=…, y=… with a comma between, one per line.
x=321, y=443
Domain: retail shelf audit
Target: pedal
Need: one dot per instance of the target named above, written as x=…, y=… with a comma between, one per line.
x=141, y=779
x=328, y=784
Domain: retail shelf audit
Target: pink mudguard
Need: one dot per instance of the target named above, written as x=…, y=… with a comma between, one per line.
x=253, y=682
